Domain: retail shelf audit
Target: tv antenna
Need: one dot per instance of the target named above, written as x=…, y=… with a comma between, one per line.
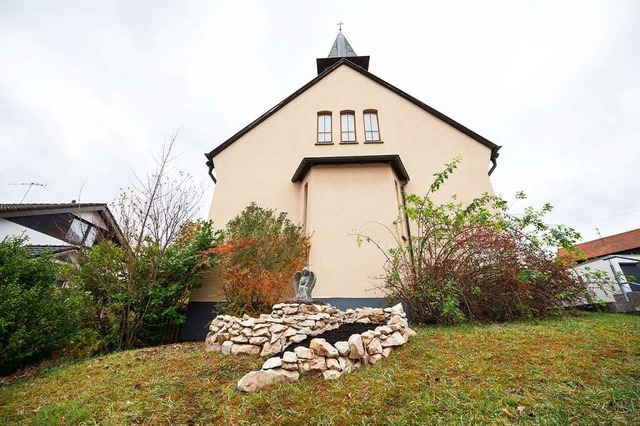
x=30, y=184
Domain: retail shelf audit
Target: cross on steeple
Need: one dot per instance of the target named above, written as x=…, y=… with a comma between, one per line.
x=340, y=24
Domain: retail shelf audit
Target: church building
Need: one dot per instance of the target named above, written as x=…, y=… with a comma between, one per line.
x=337, y=156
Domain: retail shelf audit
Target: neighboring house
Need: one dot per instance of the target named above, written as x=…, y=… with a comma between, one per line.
x=617, y=257
x=59, y=228
x=338, y=156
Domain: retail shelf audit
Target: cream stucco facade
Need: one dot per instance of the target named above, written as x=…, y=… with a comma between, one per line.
x=333, y=201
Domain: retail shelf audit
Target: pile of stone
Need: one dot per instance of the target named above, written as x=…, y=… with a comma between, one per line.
x=268, y=335
x=292, y=323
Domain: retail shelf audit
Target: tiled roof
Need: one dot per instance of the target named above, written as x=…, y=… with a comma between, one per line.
x=625, y=242
x=45, y=206
x=37, y=250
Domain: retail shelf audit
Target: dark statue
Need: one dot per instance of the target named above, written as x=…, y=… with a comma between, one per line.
x=304, y=282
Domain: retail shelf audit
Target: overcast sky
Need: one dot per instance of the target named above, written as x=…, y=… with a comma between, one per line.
x=89, y=89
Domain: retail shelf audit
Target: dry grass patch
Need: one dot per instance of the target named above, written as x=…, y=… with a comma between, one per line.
x=582, y=370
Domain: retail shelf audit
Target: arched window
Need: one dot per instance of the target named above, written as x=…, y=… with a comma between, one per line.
x=371, y=129
x=348, y=126
x=324, y=127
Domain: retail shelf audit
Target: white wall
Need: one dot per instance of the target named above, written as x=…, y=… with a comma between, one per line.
x=9, y=228
x=604, y=291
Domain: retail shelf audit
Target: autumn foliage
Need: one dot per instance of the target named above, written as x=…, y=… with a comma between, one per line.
x=261, y=252
x=476, y=261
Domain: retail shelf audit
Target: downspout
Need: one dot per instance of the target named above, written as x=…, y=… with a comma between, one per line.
x=494, y=158
x=210, y=165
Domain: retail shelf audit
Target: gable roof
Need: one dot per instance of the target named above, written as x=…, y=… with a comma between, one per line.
x=40, y=209
x=345, y=61
x=625, y=242
x=36, y=250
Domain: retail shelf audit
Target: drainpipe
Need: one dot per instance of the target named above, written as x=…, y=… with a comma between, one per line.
x=494, y=158
x=209, y=163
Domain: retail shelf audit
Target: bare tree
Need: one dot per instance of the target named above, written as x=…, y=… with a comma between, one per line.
x=156, y=207
x=152, y=213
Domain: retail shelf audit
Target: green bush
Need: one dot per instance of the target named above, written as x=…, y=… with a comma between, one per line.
x=140, y=299
x=477, y=261
x=37, y=317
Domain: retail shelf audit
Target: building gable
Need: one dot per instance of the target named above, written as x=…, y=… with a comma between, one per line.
x=346, y=62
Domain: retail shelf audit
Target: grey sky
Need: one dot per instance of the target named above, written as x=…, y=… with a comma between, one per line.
x=88, y=89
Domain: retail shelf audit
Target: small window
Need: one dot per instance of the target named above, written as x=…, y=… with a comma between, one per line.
x=324, y=127
x=76, y=231
x=371, y=130
x=348, y=126
x=91, y=237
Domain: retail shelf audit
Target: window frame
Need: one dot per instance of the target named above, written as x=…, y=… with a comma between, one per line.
x=371, y=131
x=351, y=113
x=324, y=133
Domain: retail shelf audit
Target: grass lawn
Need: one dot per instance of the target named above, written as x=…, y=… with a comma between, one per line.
x=574, y=370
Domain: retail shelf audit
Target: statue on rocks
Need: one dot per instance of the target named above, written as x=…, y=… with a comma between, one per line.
x=304, y=283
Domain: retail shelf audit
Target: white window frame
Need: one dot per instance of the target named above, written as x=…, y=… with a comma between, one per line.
x=371, y=126
x=348, y=135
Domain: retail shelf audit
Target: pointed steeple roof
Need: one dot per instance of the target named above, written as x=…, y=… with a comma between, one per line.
x=341, y=49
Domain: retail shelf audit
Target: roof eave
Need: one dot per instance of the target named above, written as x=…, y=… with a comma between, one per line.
x=345, y=61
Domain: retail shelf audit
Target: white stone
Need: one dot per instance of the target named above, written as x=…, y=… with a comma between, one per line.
x=345, y=363
x=331, y=374
x=289, y=310
x=385, y=329
x=298, y=338
x=273, y=362
x=277, y=328
x=323, y=348
x=315, y=365
x=303, y=353
x=269, y=349
x=309, y=309
x=245, y=349
x=259, y=341
x=289, y=356
x=386, y=352
x=356, y=348
x=250, y=322
x=240, y=339
x=374, y=347
x=367, y=336
x=333, y=364
x=342, y=347
x=395, y=339
x=226, y=347
x=257, y=380
x=275, y=337
x=263, y=331
x=290, y=332
x=397, y=309
x=290, y=366
x=375, y=358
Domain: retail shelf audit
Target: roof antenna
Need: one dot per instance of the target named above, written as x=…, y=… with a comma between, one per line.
x=340, y=24
x=44, y=185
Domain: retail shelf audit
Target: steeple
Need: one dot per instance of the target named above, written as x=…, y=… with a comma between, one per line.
x=341, y=49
